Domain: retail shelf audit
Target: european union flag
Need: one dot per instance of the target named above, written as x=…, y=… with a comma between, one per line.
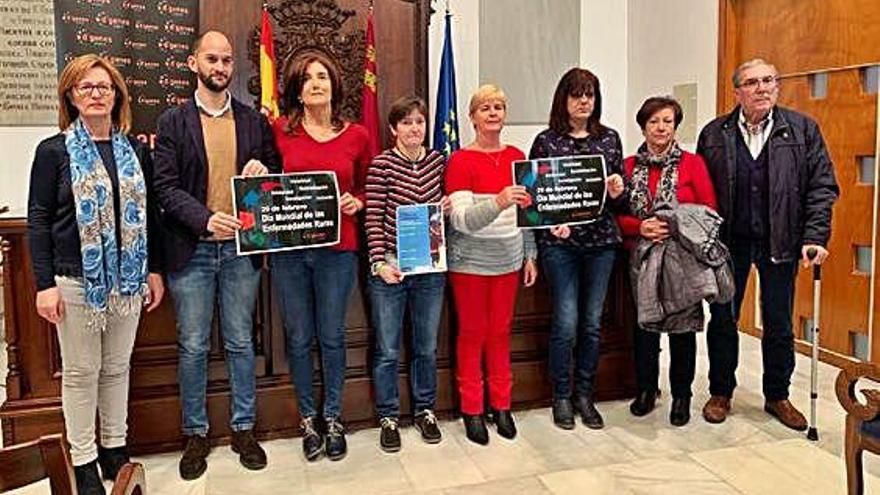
x=446, y=118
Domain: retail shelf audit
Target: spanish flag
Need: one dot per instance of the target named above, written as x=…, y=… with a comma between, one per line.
x=369, y=96
x=268, y=76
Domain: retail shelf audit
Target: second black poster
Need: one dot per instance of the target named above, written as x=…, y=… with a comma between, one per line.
x=564, y=190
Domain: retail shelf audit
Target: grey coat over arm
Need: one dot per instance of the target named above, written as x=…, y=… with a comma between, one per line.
x=671, y=279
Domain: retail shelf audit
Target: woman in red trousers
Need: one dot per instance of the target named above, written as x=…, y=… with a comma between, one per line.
x=486, y=253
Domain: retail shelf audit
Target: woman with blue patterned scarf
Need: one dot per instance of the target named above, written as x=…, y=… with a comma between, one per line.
x=89, y=215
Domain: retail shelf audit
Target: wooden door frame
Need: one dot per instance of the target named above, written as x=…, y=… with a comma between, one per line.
x=728, y=55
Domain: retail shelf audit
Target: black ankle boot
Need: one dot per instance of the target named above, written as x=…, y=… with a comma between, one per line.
x=250, y=454
x=504, y=423
x=644, y=402
x=87, y=480
x=475, y=428
x=680, y=413
x=589, y=414
x=112, y=460
x=563, y=414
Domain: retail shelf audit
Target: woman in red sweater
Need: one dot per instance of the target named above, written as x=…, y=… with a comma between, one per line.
x=313, y=285
x=488, y=254
x=662, y=174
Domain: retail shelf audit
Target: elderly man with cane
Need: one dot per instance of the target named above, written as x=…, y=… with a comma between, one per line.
x=775, y=186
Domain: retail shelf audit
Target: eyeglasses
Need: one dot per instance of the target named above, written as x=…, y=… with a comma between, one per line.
x=752, y=84
x=86, y=89
x=578, y=96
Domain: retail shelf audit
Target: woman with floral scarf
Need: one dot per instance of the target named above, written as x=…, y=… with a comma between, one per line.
x=662, y=175
x=92, y=258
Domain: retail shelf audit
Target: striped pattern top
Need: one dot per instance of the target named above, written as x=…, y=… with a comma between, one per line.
x=394, y=180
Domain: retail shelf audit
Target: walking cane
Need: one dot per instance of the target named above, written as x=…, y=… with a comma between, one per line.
x=812, y=432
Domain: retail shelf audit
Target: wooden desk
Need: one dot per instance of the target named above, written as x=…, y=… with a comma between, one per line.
x=33, y=406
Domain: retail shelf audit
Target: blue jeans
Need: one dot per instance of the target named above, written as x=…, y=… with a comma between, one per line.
x=777, y=342
x=578, y=280
x=313, y=287
x=423, y=295
x=214, y=266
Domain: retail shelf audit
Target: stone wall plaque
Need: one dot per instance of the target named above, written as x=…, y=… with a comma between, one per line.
x=28, y=72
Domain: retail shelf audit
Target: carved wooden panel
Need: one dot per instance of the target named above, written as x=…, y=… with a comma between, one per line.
x=337, y=29
x=303, y=26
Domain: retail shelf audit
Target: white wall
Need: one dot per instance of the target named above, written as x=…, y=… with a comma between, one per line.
x=604, y=46
x=671, y=42
x=603, y=50
x=17, y=145
x=637, y=48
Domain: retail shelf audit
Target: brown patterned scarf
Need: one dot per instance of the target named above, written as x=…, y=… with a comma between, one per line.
x=641, y=202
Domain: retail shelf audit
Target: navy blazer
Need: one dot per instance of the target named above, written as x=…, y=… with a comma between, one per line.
x=180, y=167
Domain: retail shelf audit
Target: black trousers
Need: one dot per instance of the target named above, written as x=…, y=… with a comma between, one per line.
x=682, y=361
x=777, y=342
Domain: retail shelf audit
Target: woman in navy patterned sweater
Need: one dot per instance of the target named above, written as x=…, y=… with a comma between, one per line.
x=578, y=259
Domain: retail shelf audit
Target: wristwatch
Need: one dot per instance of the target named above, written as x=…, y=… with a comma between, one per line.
x=376, y=267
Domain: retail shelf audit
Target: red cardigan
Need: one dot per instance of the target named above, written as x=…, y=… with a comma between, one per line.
x=694, y=186
x=347, y=154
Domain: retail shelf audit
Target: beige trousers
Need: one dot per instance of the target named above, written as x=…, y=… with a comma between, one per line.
x=94, y=374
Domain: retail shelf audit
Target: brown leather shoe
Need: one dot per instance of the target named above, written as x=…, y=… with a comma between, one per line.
x=786, y=414
x=716, y=409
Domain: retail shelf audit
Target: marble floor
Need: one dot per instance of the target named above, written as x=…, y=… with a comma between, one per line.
x=749, y=454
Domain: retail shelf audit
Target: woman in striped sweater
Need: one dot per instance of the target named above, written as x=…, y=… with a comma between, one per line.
x=403, y=175
x=486, y=253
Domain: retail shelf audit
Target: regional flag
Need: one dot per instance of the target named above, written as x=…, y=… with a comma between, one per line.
x=369, y=95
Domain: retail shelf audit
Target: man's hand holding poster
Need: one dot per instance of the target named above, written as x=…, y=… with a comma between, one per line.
x=279, y=212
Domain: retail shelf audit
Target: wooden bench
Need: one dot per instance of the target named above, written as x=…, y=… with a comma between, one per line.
x=47, y=457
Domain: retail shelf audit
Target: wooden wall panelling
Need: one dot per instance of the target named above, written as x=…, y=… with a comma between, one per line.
x=847, y=120
x=799, y=37
x=728, y=54
x=874, y=342
x=795, y=35
x=803, y=35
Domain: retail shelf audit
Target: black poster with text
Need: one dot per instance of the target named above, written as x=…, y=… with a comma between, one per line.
x=279, y=212
x=563, y=190
x=147, y=40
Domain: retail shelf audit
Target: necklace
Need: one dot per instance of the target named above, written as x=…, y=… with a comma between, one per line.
x=494, y=155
